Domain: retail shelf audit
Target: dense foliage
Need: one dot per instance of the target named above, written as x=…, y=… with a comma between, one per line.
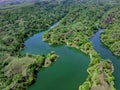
x=77, y=27
x=100, y=75
x=19, y=73
x=82, y=18
x=17, y=24
x=111, y=35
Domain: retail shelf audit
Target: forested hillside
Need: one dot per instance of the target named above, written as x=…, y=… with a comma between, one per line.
x=17, y=25
x=111, y=35
x=77, y=27
x=78, y=22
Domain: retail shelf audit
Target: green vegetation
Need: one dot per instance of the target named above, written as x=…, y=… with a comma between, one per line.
x=19, y=73
x=75, y=30
x=18, y=24
x=77, y=27
x=81, y=21
x=111, y=35
x=100, y=74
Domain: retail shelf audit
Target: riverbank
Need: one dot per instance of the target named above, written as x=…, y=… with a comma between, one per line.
x=17, y=25
x=100, y=73
x=75, y=30
x=77, y=34
x=100, y=70
x=105, y=53
x=22, y=75
x=68, y=69
x=111, y=35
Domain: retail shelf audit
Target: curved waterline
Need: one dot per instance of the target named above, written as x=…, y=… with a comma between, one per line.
x=67, y=73
x=105, y=53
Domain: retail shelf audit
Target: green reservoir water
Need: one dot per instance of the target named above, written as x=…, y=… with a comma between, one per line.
x=70, y=70
x=67, y=73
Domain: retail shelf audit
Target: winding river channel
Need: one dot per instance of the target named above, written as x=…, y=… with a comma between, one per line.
x=107, y=54
x=70, y=70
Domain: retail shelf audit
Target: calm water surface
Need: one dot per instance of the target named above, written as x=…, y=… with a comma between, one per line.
x=107, y=54
x=67, y=73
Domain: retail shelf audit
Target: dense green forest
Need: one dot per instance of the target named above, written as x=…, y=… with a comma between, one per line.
x=111, y=35
x=76, y=31
x=24, y=22
x=79, y=20
x=18, y=24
